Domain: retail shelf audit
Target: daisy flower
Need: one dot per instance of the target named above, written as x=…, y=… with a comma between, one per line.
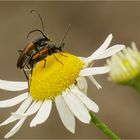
x=125, y=67
x=62, y=83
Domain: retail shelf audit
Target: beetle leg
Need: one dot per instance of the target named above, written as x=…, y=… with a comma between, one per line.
x=41, y=56
x=29, y=68
x=25, y=74
x=26, y=61
x=60, y=53
x=44, y=63
x=57, y=59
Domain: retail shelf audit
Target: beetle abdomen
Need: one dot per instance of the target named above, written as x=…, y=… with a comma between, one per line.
x=24, y=56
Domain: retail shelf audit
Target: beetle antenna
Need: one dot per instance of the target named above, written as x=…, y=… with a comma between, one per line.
x=39, y=18
x=66, y=33
x=37, y=30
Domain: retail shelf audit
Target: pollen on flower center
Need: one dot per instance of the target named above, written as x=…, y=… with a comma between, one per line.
x=59, y=72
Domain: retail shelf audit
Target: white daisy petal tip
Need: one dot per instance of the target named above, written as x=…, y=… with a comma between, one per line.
x=13, y=101
x=96, y=109
x=86, y=101
x=110, y=36
x=110, y=51
x=99, y=87
x=116, y=48
x=94, y=71
x=6, y=137
x=32, y=125
x=65, y=114
x=42, y=114
x=15, y=128
x=122, y=46
x=100, y=50
x=13, y=85
x=72, y=131
x=2, y=124
x=77, y=107
x=92, y=79
x=88, y=121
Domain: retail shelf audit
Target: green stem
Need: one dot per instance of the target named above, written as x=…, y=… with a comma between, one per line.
x=103, y=127
x=135, y=83
x=136, y=87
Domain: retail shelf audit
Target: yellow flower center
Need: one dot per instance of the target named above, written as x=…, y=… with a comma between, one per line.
x=50, y=78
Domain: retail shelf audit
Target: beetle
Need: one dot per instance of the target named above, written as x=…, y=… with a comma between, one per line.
x=32, y=48
x=38, y=49
x=46, y=50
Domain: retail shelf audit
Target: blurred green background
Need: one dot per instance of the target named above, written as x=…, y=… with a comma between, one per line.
x=91, y=23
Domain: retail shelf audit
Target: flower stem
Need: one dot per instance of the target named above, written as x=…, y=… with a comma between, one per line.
x=137, y=87
x=135, y=83
x=104, y=128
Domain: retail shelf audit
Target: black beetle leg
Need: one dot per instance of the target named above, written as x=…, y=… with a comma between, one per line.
x=27, y=61
x=57, y=59
x=25, y=74
x=60, y=53
x=28, y=67
x=44, y=63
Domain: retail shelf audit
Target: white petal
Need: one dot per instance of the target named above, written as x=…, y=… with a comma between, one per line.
x=9, y=120
x=31, y=110
x=77, y=107
x=18, y=116
x=87, y=101
x=42, y=114
x=65, y=114
x=34, y=108
x=82, y=84
x=94, y=71
x=14, y=101
x=23, y=107
x=110, y=51
x=13, y=86
x=15, y=128
x=100, y=50
x=94, y=82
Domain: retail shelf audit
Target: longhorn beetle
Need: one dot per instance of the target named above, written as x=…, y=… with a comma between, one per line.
x=38, y=49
